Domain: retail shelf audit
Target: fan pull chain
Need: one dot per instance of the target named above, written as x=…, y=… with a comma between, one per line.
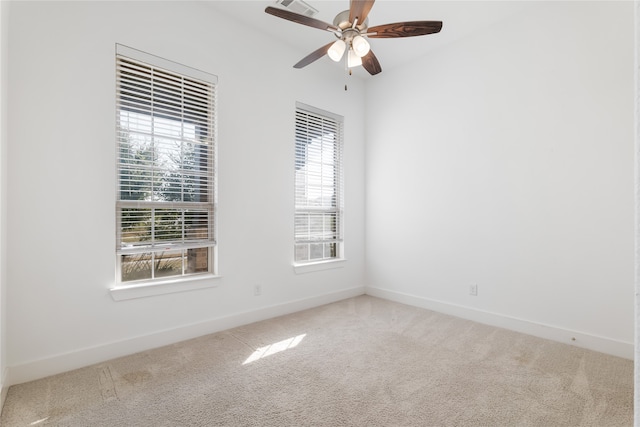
x=349, y=74
x=346, y=66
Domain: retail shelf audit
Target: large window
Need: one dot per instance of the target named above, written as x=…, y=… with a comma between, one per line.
x=318, y=181
x=165, y=204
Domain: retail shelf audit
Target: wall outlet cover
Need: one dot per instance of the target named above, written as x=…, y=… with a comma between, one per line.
x=473, y=290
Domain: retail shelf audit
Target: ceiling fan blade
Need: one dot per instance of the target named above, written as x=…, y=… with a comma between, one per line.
x=360, y=9
x=300, y=19
x=371, y=64
x=405, y=29
x=313, y=56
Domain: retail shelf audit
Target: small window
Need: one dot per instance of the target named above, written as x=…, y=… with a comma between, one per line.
x=318, y=185
x=165, y=139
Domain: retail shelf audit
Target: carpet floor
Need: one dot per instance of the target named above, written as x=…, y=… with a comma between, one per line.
x=363, y=361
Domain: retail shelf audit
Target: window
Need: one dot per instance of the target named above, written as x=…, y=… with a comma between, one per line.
x=318, y=185
x=165, y=139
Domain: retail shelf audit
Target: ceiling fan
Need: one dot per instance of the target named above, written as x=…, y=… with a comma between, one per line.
x=351, y=27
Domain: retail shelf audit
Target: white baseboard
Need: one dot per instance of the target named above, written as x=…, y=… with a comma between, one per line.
x=57, y=364
x=3, y=389
x=3, y=396
x=554, y=333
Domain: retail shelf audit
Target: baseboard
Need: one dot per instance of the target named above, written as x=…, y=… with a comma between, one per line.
x=57, y=364
x=3, y=396
x=3, y=389
x=578, y=339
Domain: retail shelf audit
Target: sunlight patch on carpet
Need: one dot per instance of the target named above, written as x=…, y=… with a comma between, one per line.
x=274, y=348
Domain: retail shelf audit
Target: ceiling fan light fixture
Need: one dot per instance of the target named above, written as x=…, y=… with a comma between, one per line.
x=360, y=46
x=336, y=50
x=351, y=27
x=353, y=60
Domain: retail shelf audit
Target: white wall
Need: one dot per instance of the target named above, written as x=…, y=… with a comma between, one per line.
x=4, y=21
x=637, y=217
x=506, y=160
x=62, y=173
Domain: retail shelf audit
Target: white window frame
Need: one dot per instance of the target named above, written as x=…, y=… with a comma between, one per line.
x=308, y=120
x=206, y=187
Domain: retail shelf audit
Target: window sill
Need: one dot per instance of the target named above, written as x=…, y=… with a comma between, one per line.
x=319, y=266
x=142, y=290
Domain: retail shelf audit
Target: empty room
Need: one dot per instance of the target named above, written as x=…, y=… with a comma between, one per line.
x=236, y=213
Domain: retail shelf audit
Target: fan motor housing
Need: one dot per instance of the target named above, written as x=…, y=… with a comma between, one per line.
x=342, y=21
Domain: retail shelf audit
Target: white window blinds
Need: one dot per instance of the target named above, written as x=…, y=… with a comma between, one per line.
x=318, y=185
x=165, y=167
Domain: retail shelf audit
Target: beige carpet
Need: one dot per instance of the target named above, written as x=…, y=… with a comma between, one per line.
x=359, y=362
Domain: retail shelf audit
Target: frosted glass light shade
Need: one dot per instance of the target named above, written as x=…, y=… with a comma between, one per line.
x=353, y=60
x=360, y=46
x=336, y=50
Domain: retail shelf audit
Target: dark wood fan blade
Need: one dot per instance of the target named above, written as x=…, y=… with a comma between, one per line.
x=300, y=19
x=313, y=56
x=405, y=29
x=371, y=64
x=360, y=9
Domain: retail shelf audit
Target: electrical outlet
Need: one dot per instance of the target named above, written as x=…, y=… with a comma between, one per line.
x=473, y=290
x=257, y=290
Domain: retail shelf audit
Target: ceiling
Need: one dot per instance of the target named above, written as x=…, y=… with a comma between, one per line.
x=460, y=19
